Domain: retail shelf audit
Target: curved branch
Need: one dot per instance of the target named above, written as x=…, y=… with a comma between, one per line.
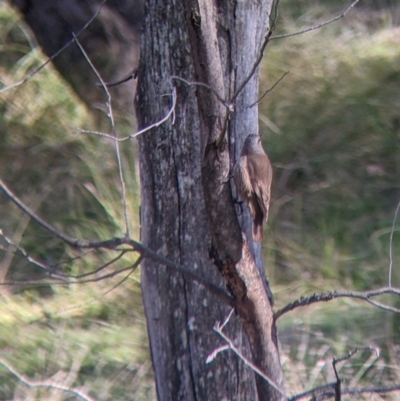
x=329, y=296
x=190, y=83
x=313, y=28
x=142, y=131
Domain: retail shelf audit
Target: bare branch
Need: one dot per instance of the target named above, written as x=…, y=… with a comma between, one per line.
x=275, y=12
x=328, y=296
x=268, y=90
x=391, y=245
x=214, y=354
x=313, y=28
x=45, y=384
x=158, y=123
x=111, y=118
x=383, y=306
x=227, y=319
x=137, y=263
x=321, y=391
x=218, y=329
x=261, y=53
x=21, y=252
x=109, y=275
x=71, y=259
x=102, y=267
x=94, y=299
x=50, y=269
x=57, y=53
x=41, y=282
x=115, y=244
x=228, y=105
x=255, y=65
x=353, y=352
x=326, y=391
x=128, y=77
x=338, y=384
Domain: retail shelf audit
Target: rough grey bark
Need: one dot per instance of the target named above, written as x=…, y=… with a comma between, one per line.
x=187, y=211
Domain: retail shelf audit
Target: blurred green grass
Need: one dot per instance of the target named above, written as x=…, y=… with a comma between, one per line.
x=336, y=154
x=334, y=144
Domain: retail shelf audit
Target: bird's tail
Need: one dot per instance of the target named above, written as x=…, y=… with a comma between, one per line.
x=258, y=224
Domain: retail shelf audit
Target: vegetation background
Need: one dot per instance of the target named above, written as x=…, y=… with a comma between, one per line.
x=332, y=130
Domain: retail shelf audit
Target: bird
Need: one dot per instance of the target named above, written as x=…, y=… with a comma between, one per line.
x=252, y=175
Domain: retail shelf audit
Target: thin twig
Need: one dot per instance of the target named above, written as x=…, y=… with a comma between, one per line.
x=102, y=267
x=313, y=28
x=255, y=65
x=41, y=282
x=128, y=77
x=133, y=269
x=21, y=252
x=380, y=305
x=218, y=329
x=267, y=38
x=108, y=275
x=46, y=384
x=57, y=53
x=391, y=245
x=227, y=319
x=228, y=105
x=111, y=118
x=222, y=348
x=268, y=90
x=328, y=296
x=326, y=391
x=71, y=259
x=353, y=352
x=100, y=297
x=214, y=354
x=275, y=11
x=334, y=389
x=338, y=384
x=142, y=131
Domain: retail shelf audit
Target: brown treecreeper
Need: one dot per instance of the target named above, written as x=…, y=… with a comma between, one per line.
x=252, y=175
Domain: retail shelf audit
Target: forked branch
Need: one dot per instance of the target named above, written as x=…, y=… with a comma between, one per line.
x=330, y=295
x=119, y=244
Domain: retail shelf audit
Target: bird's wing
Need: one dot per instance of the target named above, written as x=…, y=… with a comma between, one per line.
x=242, y=179
x=260, y=170
x=258, y=217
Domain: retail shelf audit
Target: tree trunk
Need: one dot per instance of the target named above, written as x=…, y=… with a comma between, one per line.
x=187, y=210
